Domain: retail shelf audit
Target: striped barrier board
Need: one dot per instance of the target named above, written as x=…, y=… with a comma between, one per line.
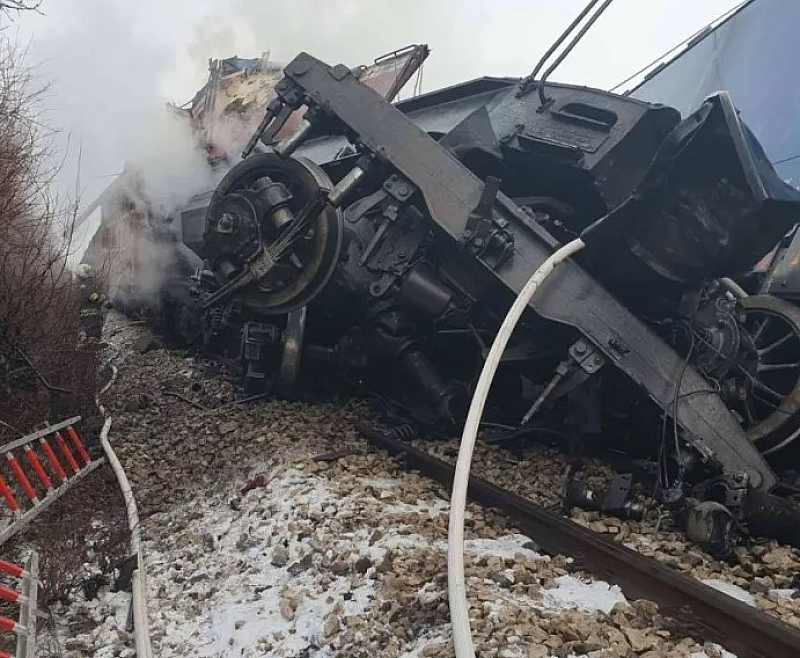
x=73, y=465
x=25, y=597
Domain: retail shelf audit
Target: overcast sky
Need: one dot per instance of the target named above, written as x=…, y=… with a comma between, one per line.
x=113, y=63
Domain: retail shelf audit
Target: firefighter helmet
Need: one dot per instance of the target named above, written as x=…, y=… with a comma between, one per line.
x=84, y=271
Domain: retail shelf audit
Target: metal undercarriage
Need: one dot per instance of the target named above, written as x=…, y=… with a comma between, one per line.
x=365, y=253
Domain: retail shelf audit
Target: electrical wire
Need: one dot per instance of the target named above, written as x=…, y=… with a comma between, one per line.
x=532, y=76
x=716, y=23
x=457, y=594
x=678, y=384
x=789, y=159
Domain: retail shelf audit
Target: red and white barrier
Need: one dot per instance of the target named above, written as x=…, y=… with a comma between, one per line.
x=25, y=626
x=40, y=488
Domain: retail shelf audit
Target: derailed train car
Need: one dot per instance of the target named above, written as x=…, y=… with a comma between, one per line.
x=368, y=250
x=376, y=249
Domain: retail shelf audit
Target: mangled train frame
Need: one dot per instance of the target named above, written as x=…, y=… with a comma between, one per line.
x=377, y=247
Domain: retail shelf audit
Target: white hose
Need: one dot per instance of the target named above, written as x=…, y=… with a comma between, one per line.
x=141, y=626
x=457, y=591
x=734, y=288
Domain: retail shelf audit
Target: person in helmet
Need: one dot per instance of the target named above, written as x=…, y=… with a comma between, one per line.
x=91, y=302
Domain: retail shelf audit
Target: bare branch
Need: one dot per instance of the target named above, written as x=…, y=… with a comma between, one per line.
x=42, y=364
x=20, y=5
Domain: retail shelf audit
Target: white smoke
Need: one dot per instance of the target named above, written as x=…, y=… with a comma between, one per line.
x=169, y=160
x=114, y=63
x=106, y=98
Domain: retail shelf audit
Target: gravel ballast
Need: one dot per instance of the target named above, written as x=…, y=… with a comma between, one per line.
x=271, y=529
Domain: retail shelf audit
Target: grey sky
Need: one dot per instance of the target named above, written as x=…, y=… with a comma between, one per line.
x=113, y=63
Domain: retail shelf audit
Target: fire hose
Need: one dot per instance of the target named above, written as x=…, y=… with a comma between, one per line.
x=141, y=626
x=457, y=592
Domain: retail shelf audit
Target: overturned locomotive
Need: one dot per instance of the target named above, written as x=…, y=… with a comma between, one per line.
x=377, y=248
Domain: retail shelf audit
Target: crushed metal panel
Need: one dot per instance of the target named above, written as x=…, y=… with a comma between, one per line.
x=230, y=106
x=389, y=73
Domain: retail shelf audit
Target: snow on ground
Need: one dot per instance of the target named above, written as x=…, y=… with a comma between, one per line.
x=571, y=592
x=731, y=590
x=258, y=578
x=254, y=547
x=715, y=650
x=104, y=619
x=254, y=589
x=310, y=564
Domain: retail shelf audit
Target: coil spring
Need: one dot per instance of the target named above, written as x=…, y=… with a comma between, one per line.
x=402, y=432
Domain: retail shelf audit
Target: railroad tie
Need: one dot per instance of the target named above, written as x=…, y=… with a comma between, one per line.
x=21, y=478
x=52, y=459
x=7, y=494
x=36, y=465
x=76, y=441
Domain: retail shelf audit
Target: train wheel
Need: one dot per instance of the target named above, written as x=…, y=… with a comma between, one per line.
x=235, y=231
x=771, y=410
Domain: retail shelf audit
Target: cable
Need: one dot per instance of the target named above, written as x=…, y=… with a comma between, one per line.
x=141, y=630
x=141, y=626
x=678, y=384
x=789, y=159
x=734, y=288
x=716, y=23
x=568, y=49
x=457, y=594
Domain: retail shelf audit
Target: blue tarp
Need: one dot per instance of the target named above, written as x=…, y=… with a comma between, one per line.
x=754, y=55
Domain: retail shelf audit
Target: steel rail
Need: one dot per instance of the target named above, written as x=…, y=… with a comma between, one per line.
x=26, y=642
x=702, y=611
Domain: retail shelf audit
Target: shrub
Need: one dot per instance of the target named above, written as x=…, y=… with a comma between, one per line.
x=44, y=372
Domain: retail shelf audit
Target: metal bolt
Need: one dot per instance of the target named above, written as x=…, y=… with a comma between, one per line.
x=300, y=68
x=580, y=348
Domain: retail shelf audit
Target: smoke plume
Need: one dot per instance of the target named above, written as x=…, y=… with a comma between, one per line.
x=113, y=64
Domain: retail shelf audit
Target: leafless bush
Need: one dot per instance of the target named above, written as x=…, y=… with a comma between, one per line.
x=43, y=370
x=13, y=6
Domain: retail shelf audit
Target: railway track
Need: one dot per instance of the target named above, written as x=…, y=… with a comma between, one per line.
x=700, y=610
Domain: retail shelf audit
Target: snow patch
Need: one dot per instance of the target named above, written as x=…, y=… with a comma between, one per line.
x=784, y=593
x=432, y=509
x=722, y=653
x=731, y=590
x=109, y=611
x=573, y=593
x=508, y=547
x=437, y=637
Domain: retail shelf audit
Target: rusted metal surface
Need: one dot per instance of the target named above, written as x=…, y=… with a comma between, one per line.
x=701, y=610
